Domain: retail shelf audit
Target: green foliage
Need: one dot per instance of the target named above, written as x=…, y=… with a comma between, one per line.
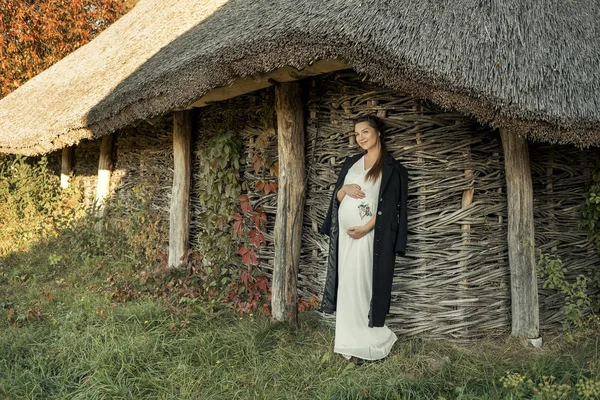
x=34, y=208
x=138, y=222
x=219, y=183
x=588, y=388
x=579, y=310
x=84, y=348
x=590, y=210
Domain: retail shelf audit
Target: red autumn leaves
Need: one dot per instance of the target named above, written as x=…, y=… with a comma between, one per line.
x=38, y=33
x=255, y=221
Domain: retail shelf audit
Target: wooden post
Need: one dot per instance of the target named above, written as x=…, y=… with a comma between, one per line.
x=68, y=156
x=467, y=200
x=105, y=166
x=521, y=256
x=290, y=200
x=179, y=228
x=550, y=201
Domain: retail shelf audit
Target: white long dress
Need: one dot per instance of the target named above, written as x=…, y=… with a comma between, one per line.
x=353, y=337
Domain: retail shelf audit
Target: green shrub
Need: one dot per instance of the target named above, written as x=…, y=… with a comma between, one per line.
x=34, y=207
x=580, y=311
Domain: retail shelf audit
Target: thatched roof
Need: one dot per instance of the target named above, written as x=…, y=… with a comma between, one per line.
x=532, y=67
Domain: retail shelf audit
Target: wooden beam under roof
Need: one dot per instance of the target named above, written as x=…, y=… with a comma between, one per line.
x=260, y=81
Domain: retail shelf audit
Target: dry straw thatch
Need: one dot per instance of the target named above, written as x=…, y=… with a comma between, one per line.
x=532, y=67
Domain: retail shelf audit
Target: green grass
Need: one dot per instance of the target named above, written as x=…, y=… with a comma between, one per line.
x=70, y=337
x=83, y=348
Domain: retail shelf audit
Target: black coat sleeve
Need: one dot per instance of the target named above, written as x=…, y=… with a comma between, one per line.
x=402, y=234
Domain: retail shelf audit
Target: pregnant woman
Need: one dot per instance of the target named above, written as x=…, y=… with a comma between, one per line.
x=367, y=226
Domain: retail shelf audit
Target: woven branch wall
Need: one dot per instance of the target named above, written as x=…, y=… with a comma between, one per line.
x=454, y=281
x=144, y=158
x=560, y=174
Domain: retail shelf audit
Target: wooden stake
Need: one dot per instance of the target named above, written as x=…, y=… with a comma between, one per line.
x=68, y=157
x=550, y=201
x=105, y=166
x=179, y=228
x=521, y=257
x=467, y=200
x=290, y=200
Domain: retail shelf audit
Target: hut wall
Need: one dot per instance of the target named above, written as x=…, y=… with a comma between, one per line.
x=143, y=167
x=250, y=117
x=560, y=175
x=454, y=281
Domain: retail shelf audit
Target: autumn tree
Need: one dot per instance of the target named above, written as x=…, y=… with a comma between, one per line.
x=34, y=34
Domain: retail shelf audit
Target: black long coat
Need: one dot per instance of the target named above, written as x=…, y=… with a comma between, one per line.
x=390, y=237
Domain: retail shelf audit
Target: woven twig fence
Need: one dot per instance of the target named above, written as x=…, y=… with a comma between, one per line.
x=560, y=174
x=86, y=166
x=145, y=160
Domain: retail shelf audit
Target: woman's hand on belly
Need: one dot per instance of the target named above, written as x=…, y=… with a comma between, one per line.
x=356, y=232
x=353, y=190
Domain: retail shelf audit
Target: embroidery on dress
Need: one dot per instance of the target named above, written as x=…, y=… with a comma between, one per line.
x=364, y=210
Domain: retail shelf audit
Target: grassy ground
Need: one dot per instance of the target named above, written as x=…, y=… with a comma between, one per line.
x=73, y=341
x=74, y=326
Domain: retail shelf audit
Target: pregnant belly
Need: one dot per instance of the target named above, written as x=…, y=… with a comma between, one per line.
x=355, y=212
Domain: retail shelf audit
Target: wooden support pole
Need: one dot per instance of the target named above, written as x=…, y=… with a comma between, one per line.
x=521, y=256
x=290, y=200
x=179, y=228
x=467, y=196
x=467, y=200
x=550, y=201
x=66, y=169
x=105, y=166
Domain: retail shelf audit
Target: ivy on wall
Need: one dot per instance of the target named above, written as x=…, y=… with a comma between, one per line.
x=219, y=181
x=232, y=228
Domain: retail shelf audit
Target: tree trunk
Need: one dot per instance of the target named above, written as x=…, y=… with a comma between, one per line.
x=521, y=256
x=290, y=200
x=179, y=228
x=68, y=157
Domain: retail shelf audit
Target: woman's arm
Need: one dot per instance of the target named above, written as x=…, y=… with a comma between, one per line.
x=352, y=190
x=356, y=232
x=326, y=227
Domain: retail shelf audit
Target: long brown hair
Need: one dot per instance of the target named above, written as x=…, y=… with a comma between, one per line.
x=375, y=123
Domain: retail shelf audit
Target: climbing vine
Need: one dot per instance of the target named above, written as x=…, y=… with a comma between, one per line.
x=249, y=226
x=233, y=226
x=219, y=183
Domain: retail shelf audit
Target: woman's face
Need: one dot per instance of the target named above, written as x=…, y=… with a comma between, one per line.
x=366, y=136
